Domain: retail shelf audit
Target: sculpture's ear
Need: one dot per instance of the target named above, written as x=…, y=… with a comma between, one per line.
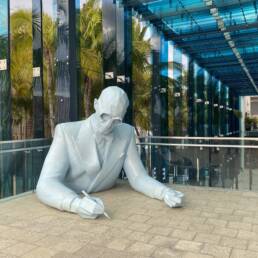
x=96, y=105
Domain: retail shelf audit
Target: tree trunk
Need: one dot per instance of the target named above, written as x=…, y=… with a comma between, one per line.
x=87, y=94
x=49, y=92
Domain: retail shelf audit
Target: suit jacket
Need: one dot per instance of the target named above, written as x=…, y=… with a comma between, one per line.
x=73, y=164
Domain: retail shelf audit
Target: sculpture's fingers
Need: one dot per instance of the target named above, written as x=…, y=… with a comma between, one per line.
x=99, y=201
x=179, y=194
x=86, y=215
x=173, y=201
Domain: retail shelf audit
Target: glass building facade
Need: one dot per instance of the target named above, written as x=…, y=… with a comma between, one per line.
x=184, y=65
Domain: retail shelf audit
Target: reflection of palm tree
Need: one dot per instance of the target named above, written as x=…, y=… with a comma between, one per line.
x=91, y=51
x=49, y=40
x=21, y=69
x=141, y=76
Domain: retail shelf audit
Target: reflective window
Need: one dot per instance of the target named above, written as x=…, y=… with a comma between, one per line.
x=21, y=67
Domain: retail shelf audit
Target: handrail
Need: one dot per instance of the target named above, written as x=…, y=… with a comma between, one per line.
x=25, y=149
x=199, y=145
x=25, y=140
x=200, y=138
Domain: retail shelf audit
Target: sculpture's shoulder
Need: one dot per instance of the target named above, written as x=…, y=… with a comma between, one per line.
x=71, y=128
x=124, y=131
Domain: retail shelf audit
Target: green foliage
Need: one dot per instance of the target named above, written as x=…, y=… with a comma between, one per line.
x=141, y=77
x=91, y=53
x=21, y=65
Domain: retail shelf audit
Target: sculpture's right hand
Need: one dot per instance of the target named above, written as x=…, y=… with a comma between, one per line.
x=89, y=207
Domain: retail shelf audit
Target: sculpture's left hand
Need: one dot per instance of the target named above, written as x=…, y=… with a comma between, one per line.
x=173, y=198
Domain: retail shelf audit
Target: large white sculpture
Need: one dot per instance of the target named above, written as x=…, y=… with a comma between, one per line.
x=89, y=155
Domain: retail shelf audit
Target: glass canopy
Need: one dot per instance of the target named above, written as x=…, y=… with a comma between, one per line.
x=221, y=35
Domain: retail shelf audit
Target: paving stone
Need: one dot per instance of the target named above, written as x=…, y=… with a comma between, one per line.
x=225, y=232
x=216, y=250
x=163, y=241
x=233, y=242
x=139, y=227
x=217, y=222
x=163, y=231
x=167, y=253
x=207, y=238
x=140, y=236
x=248, y=235
x=239, y=225
x=119, y=244
x=253, y=245
x=139, y=218
x=18, y=249
x=183, y=234
x=194, y=255
x=238, y=253
x=191, y=246
x=141, y=249
x=42, y=252
x=4, y=243
x=89, y=250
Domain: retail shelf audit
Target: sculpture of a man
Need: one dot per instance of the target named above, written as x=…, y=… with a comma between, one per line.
x=89, y=155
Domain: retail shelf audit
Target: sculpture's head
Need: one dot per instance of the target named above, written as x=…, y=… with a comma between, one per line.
x=110, y=109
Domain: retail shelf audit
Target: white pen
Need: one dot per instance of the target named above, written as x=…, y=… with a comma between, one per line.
x=87, y=195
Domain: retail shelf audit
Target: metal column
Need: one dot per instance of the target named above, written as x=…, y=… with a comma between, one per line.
x=124, y=55
x=5, y=84
x=159, y=109
x=67, y=108
x=109, y=42
x=37, y=81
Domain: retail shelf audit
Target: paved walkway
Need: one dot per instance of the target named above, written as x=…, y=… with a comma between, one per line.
x=213, y=223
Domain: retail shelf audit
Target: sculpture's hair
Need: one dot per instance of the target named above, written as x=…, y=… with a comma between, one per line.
x=113, y=100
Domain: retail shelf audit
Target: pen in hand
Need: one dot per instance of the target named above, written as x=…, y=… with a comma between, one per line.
x=87, y=195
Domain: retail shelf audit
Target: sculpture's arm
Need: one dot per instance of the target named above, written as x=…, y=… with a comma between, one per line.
x=137, y=175
x=50, y=188
x=142, y=182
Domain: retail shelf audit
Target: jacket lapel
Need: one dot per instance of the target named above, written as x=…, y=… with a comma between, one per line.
x=113, y=154
x=87, y=148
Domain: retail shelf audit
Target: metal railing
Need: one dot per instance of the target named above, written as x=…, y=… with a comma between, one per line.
x=229, y=162
x=203, y=161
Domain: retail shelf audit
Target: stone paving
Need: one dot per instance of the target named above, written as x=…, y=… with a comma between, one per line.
x=213, y=223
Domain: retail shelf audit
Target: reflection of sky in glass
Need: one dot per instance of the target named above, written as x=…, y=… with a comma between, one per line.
x=50, y=7
x=170, y=59
x=3, y=18
x=177, y=59
x=16, y=5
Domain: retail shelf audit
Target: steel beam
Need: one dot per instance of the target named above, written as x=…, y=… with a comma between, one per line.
x=37, y=80
x=231, y=28
x=67, y=108
x=5, y=83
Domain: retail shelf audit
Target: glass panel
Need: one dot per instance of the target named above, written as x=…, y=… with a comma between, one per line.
x=215, y=162
x=21, y=68
x=20, y=165
x=141, y=76
x=91, y=43
x=49, y=20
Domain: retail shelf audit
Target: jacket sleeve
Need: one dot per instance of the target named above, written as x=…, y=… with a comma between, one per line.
x=137, y=175
x=50, y=188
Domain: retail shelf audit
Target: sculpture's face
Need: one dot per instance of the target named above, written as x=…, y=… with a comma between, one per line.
x=110, y=109
x=106, y=123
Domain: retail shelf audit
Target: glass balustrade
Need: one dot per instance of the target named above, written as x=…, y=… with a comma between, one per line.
x=213, y=162
x=20, y=165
